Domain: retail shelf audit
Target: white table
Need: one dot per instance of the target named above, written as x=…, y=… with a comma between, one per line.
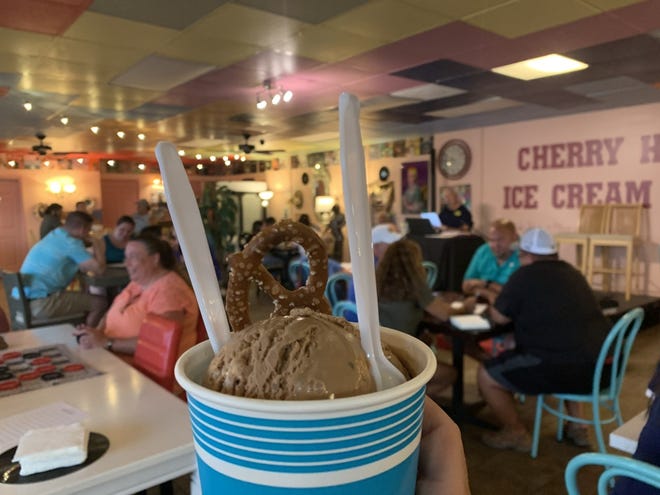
x=625, y=436
x=148, y=428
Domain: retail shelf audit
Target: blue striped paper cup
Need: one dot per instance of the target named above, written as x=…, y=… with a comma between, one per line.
x=363, y=444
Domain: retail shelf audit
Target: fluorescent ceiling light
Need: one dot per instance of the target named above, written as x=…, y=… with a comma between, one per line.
x=535, y=68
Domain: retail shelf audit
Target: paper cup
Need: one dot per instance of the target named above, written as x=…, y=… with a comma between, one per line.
x=363, y=444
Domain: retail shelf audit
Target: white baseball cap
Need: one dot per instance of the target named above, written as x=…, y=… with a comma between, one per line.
x=538, y=241
x=385, y=233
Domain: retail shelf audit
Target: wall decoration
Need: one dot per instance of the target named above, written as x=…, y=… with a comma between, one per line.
x=304, y=178
x=297, y=199
x=414, y=187
x=384, y=173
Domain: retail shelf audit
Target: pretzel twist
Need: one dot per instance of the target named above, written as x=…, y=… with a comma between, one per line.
x=247, y=265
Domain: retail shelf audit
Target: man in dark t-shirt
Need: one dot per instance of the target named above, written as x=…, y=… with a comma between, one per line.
x=558, y=329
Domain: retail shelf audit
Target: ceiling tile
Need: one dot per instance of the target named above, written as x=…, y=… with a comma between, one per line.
x=114, y=31
x=595, y=89
x=521, y=17
x=40, y=16
x=174, y=15
x=101, y=55
x=116, y=98
x=485, y=105
x=427, y=92
x=380, y=85
x=194, y=48
x=643, y=15
x=457, y=9
x=304, y=10
x=386, y=20
x=326, y=44
x=246, y=25
x=160, y=73
x=23, y=43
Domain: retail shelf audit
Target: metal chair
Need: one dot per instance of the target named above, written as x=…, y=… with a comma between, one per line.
x=298, y=272
x=19, y=306
x=336, y=288
x=431, y=273
x=615, y=465
x=592, y=221
x=157, y=349
x=614, y=352
x=345, y=309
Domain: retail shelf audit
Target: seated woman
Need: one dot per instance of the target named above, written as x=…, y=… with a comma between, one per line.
x=154, y=288
x=115, y=241
x=404, y=296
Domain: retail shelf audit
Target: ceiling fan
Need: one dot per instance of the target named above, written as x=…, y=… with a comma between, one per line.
x=44, y=149
x=247, y=148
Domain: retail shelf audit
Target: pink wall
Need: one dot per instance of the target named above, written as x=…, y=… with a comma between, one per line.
x=608, y=156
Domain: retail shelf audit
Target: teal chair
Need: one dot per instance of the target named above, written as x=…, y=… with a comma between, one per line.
x=345, y=309
x=431, y=273
x=337, y=287
x=614, y=351
x=298, y=272
x=615, y=465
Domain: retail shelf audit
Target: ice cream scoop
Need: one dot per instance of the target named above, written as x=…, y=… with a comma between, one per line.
x=305, y=355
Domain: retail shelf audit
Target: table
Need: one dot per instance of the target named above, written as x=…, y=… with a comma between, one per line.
x=625, y=436
x=112, y=277
x=148, y=428
x=460, y=339
x=452, y=254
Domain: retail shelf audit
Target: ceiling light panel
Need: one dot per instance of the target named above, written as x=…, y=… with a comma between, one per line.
x=536, y=68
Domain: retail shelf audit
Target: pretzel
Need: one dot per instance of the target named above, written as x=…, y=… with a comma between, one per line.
x=247, y=265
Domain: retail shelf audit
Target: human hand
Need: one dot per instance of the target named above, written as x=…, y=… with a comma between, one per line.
x=89, y=337
x=442, y=469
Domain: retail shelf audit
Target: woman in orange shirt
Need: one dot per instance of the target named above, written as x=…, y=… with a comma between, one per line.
x=154, y=288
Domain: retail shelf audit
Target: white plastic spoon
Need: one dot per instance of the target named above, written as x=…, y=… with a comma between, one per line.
x=190, y=231
x=358, y=225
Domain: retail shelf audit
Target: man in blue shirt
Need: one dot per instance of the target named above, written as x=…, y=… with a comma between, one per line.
x=52, y=264
x=493, y=262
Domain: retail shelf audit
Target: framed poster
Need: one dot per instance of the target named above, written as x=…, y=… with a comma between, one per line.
x=414, y=187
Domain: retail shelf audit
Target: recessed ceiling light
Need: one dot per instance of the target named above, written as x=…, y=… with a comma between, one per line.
x=80, y=160
x=212, y=158
x=12, y=163
x=64, y=120
x=47, y=163
x=95, y=129
x=243, y=158
x=28, y=106
x=181, y=152
x=121, y=134
x=200, y=166
x=535, y=68
x=141, y=136
x=198, y=156
x=111, y=163
x=142, y=166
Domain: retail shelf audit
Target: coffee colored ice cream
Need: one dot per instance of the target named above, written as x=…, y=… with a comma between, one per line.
x=306, y=355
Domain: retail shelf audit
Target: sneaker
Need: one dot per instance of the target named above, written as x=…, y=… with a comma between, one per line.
x=577, y=435
x=507, y=439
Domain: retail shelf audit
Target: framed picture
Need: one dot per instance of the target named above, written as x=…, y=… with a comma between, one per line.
x=414, y=187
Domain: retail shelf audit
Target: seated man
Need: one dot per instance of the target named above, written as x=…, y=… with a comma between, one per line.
x=493, y=262
x=52, y=264
x=559, y=330
x=454, y=214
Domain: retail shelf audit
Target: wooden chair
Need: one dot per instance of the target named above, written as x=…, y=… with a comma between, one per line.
x=622, y=230
x=19, y=306
x=592, y=221
x=157, y=349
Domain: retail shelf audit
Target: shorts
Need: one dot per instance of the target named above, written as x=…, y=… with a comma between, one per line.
x=61, y=303
x=529, y=374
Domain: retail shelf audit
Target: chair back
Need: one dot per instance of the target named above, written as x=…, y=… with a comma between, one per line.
x=19, y=306
x=157, y=349
x=431, y=273
x=337, y=287
x=615, y=465
x=298, y=272
x=615, y=351
x=593, y=219
x=346, y=310
x=624, y=219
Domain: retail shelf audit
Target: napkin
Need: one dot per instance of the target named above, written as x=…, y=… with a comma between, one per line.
x=50, y=448
x=470, y=322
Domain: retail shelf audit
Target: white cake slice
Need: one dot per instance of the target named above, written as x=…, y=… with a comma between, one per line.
x=50, y=448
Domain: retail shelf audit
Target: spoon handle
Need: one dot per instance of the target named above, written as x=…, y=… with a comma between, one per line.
x=192, y=238
x=358, y=225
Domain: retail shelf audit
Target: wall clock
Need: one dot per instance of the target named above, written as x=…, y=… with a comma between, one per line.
x=454, y=159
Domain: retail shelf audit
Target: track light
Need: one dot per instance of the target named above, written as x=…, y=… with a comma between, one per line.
x=275, y=95
x=261, y=102
x=288, y=96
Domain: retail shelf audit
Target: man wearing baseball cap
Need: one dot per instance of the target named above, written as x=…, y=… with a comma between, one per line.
x=558, y=328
